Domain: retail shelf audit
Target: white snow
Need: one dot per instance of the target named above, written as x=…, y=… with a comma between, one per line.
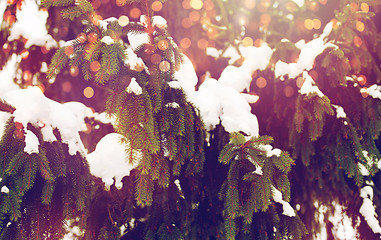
x=308, y=52
x=107, y=40
x=104, y=23
x=5, y=189
x=363, y=170
x=367, y=209
x=134, y=87
x=300, y=3
x=132, y=60
x=374, y=91
x=33, y=107
x=110, y=161
x=307, y=87
x=270, y=151
x=287, y=209
x=186, y=76
x=172, y=105
x=31, y=143
x=339, y=111
x=138, y=39
x=8, y=73
x=31, y=24
x=159, y=21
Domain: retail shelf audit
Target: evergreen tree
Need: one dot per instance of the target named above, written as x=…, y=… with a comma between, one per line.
x=287, y=135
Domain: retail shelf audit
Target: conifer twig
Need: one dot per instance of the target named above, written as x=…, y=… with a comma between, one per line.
x=5, y=107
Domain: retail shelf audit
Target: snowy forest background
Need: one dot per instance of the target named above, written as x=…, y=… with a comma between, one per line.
x=191, y=119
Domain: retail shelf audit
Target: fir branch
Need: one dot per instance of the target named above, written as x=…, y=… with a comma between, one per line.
x=6, y=107
x=57, y=3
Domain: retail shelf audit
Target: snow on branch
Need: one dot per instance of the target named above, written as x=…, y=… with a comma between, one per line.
x=109, y=161
x=287, y=209
x=33, y=107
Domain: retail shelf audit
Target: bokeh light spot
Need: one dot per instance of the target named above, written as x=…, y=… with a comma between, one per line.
x=24, y=54
x=247, y=41
x=186, y=23
x=155, y=58
x=69, y=50
x=186, y=4
x=92, y=37
x=196, y=4
x=357, y=41
x=194, y=16
x=258, y=42
x=265, y=19
x=289, y=91
x=95, y=66
x=156, y=6
x=162, y=45
x=364, y=7
x=208, y=5
x=185, y=43
x=135, y=13
x=360, y=26
x=202, y=43
x=261, y=82
x=74, y=71
x=362, y=80
x=354, y=7
x=164, y=66
x=81, y=38
x=27, y=76
x=120, y=3
x=299, y=82
x=88, y=92
x=309, y=24
x=66, y=86
x=250, y=4
x=317, y=23
x=123, y=20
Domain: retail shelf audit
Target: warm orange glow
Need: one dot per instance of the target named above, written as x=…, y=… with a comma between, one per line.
x=66, y=86
x=186, y=23
x=299, y=82
x=334, y=21
x=82, y=37
x=186, y=4
x=27, y=76
x=24, y=54
x=261, y=82
x=309, y=24
x=258, y=42
x=324, y=2
x=354, y=7
x=135, y=13
x=362, y=80
x=360, y=26
x=120, y=3
x=314, y=74
x=96, y=4
x=196, y=4
x=194, y=16
x=185, y=43
x=164, y=66
x=41, y=87
x=317, y=23
x=123, y=20
x=291, y=6
x=265, y=19
x=247, y=41
x=45, y=49
x=364, y=92
x=357, y=41
x=202, y=43
x=96, y=19
x=162, y=45
x=288, y=91
x=74, y=71
x=314, y=6
x=88, y=92
x=95, y=66
x=212, y=33
x=364, y=7
x=156, y=6
x=155, y=58
x=208, y=5
x=250, y=4
x=69, y=50
x=92, y=37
